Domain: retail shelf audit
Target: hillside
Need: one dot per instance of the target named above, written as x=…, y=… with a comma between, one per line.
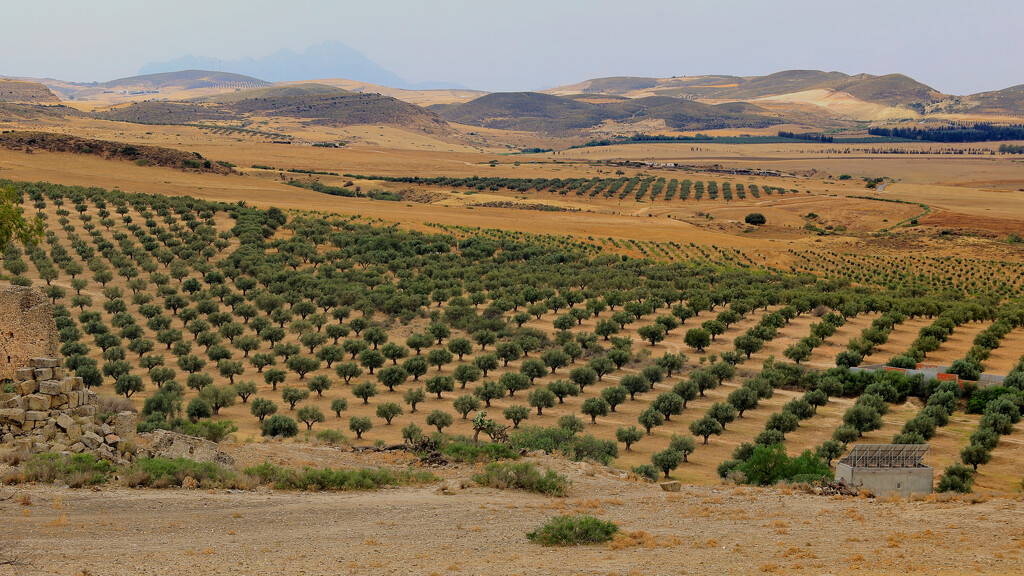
x=891, y=89
x=274, y=91
x=790, y=93
x=424, y=97
x=546, y=113
x=316, y=104
x=141, y=155
x=155, y=112
x=1006, y=101
x=19, y=92
x=170, y=85
x=186, y=79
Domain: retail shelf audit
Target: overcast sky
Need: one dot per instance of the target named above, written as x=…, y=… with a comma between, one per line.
x=956, y=47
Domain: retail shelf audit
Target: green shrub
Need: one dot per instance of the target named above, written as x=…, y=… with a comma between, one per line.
x=769, y=464
x=335, y=479
x=522, y=476
x=331, y=436
x=469, y=452
x=647, y=471
x=573, y=530
x=279, y=425
x=574, y=447
x=76, y=470
x=956, y=478
x=163, y=472
x=980, y=399
x=212, y=430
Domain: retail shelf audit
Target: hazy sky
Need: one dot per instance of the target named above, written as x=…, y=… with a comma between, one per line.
x=954, y=46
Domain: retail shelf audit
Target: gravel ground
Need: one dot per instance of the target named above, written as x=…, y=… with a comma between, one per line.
x=434, y=530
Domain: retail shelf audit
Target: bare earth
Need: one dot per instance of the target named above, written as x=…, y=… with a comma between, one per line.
x=420, y=530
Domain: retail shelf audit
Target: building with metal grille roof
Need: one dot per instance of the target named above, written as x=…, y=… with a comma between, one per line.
x=888, y=468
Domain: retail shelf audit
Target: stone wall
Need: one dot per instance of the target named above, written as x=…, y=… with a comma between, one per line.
x=52, y=412
x=27, y=329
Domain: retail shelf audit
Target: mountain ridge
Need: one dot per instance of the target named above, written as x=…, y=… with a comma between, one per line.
x=330, y=59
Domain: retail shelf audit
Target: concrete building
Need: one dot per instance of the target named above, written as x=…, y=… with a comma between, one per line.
x=888, y=469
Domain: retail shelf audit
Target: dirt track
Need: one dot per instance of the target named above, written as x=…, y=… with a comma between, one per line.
x=419, y=530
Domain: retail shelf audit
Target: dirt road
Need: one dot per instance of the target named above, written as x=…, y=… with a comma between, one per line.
x=420, y=530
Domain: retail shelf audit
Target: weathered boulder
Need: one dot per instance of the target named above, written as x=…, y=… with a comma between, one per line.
x=167, y=444
x=671, y=486
x=91, y=440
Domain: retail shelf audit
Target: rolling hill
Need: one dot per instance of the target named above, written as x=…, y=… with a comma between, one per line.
x=1006, y=101
x=21, y=92
x=316, y=104
x=556, y=115
x=891, y=89
x=831, y=92
x=171, y=85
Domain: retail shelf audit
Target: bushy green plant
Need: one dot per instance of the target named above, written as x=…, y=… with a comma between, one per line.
x=279, y=425
x=335, y=479
x=467, y=451
x=573, y=531
x=769, y=464
x=647, y=471
x=522, y=476
x=162, y=472
x=574, y=447
x=76, y=470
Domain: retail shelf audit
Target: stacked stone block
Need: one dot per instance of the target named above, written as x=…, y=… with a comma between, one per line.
x=50, y=411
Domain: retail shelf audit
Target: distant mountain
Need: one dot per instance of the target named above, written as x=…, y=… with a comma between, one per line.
x=558, y=115
x=186, y=80
x=330, y=59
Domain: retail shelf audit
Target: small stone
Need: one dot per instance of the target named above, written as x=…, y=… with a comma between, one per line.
x=189, y=483
x=44, y=362
x=671, y=486
x=111, y=439
x=24, y=374
x=42, y=374
x=77, y=447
